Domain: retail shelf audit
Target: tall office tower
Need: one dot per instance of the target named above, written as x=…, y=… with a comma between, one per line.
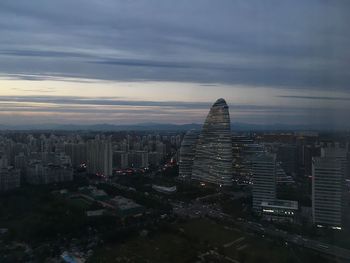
x=328, y=174
x=309, y=151
x=264, y=179
x=287, y=155
x=244, y=148
x=187, y=154
x=99, y=156
x=213, y=158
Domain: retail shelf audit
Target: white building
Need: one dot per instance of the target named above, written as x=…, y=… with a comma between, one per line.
x=264, y=179
x=328, y=182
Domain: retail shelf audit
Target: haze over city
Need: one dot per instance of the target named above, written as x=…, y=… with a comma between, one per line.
x=122, y=62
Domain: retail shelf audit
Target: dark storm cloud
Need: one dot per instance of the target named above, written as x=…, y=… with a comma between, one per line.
x=274, y=43
x=62, y=100
x=61, y=109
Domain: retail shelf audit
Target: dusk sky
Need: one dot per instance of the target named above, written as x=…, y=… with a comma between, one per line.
x=165, y=61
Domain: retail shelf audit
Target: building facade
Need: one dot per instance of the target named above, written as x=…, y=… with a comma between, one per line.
x=328, y=182
x=264, y=180
x=280, y=211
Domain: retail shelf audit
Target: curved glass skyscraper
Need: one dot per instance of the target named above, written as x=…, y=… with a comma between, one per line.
x=213, y=158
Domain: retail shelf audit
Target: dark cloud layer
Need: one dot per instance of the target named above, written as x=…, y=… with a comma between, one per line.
x=69, y=109
x=84, y=105
x=292, y=44
x=317, y=98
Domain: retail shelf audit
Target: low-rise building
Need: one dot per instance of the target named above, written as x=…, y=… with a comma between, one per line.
x=125, y=206
x=279, y=210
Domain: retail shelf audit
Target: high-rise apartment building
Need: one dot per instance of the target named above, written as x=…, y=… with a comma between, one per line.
x=99, y=156
x=50, y=168
x=77, y=153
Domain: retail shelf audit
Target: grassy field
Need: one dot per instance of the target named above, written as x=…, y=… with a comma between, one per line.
x=184, y=242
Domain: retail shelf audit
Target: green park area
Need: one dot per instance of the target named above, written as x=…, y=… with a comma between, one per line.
x=199, y=238
x=34, y=213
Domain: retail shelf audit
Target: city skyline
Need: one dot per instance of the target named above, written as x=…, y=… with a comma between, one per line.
x=161, y=62
x=174, y=131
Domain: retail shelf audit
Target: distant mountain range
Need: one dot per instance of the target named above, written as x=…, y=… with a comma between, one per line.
x=167, y=127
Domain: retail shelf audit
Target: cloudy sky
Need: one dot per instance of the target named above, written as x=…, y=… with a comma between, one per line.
x=135, y=61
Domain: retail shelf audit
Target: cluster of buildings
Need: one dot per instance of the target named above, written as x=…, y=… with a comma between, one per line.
x=328, y=186
x=49, y=158
x=102, y=155
x=216, y=156
x=212, y=156
x=329, y=170
x=144, y=151
x=30, y=160
x=124, y=207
